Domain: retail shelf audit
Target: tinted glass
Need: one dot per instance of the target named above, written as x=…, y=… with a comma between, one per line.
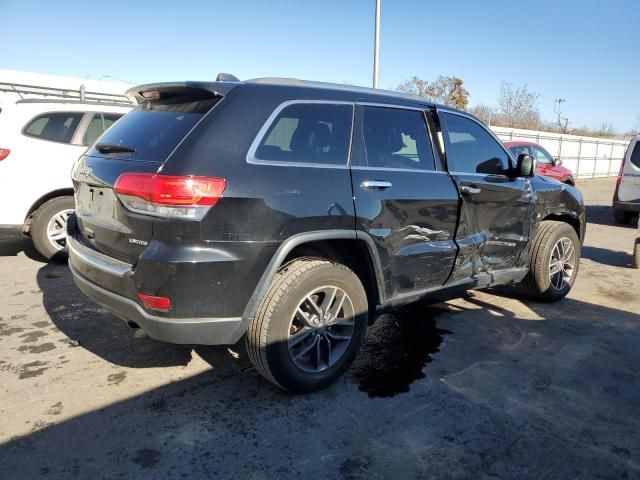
x=635, y=155
x=519, y=150
x=55, y=127
x=154, y=129
x=98, y=124
x=471, y=149
x=542, y=156
x=396, y=138
x=309, y=133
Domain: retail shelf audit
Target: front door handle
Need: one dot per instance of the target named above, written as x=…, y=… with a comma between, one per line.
x=375, y=185
x=469, y=190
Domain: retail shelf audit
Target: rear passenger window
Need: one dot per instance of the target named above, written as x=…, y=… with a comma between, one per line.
x=635, y=155
x=309, y=133
x=471, y=149
x=396, y=138
x=98, y=124
x=55, y=127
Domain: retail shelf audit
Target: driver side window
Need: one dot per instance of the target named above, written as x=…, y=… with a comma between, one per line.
x=471, y=149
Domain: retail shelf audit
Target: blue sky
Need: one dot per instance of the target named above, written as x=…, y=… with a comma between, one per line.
x=584, y=51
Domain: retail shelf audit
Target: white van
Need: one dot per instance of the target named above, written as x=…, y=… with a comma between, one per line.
x=43, y=131
x=626, y=198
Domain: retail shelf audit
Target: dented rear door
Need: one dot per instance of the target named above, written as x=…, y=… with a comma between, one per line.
x=496, y=209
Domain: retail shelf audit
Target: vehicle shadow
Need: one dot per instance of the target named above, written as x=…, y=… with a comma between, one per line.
x=606, y=256
x=95, y=329
x=603, y=215
x=11, y=244
x=547, y=377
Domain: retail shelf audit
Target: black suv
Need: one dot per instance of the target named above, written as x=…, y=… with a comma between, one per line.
x=293, y=212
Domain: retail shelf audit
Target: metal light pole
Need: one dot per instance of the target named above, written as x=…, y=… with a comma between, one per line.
x=376, y=45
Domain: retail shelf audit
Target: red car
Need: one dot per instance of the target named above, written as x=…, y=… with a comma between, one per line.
x=546, y=164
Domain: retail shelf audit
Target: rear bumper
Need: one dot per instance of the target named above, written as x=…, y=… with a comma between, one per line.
x=198, y=330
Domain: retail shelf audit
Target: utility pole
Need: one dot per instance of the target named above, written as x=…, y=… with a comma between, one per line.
x=376, y=45
x=558, y=110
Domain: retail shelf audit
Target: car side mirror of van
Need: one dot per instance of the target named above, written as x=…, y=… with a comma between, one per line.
x=526, y=165
x=557, y=162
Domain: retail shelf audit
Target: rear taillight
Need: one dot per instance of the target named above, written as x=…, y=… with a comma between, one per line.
x=4, y=153
x=161, y=304
x=169, y=195
x=619, y=179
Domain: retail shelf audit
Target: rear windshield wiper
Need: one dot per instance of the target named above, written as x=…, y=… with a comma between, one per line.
x=112, y=148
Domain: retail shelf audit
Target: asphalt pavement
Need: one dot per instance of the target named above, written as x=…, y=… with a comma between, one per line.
x=485, y=386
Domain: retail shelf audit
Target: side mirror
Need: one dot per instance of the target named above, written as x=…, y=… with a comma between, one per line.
x=526, y=166
x=557, y=161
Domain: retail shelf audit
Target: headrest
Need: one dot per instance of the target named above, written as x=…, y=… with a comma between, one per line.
x=310, y=138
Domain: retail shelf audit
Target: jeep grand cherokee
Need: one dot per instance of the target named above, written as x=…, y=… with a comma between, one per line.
x=292, y=212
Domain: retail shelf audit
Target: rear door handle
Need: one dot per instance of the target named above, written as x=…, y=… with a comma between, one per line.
x=375, y=185
x=469, y=190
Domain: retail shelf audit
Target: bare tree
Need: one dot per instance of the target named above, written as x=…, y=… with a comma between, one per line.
x=449, y=90
x=484, y=113
x=446, y=90
x=414, y=86
x=517, y=107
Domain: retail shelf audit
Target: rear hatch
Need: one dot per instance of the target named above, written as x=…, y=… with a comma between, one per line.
x=139, y=143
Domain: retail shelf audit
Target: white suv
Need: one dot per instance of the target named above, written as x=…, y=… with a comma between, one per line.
x=626, y=198
x=40, y=139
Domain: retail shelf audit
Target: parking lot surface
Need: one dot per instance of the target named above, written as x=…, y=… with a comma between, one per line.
x=486, y=386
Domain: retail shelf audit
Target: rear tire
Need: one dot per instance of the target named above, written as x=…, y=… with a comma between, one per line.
x=323, y=349
x=49, y=227
x=554, y=262
x=622, y=217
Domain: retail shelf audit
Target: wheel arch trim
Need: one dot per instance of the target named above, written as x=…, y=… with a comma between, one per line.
x=60, y=192
x=300, y=239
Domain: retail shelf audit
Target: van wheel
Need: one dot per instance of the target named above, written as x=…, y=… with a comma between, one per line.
x=621, y=217
x=49, y=227
x=309, y=326
x=554, y=261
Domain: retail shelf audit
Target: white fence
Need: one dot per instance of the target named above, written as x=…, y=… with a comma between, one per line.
x=586, y=157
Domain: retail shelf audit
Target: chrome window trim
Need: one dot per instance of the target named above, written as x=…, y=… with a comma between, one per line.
x=475, y=174
x=251, y=154
x=392, y=105
x=488, y=130
x=391, y=169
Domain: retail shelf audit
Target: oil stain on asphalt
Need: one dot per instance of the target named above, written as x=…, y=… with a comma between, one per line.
x=396, y=349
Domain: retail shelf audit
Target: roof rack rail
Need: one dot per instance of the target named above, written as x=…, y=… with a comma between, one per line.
x=65, y=93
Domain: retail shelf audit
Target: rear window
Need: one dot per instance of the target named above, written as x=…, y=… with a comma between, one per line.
x=154, y=129
x=635, y=155
x=55, y=126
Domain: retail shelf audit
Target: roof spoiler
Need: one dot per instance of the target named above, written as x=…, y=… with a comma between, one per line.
x=199, y=90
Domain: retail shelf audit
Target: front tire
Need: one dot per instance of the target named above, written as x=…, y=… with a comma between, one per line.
x=49, y=227
x=554, y=261
x=309, y=326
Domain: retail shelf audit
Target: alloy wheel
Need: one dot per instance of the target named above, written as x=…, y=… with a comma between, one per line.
x=562, y=263
x=57, y=229
x=321, y=329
